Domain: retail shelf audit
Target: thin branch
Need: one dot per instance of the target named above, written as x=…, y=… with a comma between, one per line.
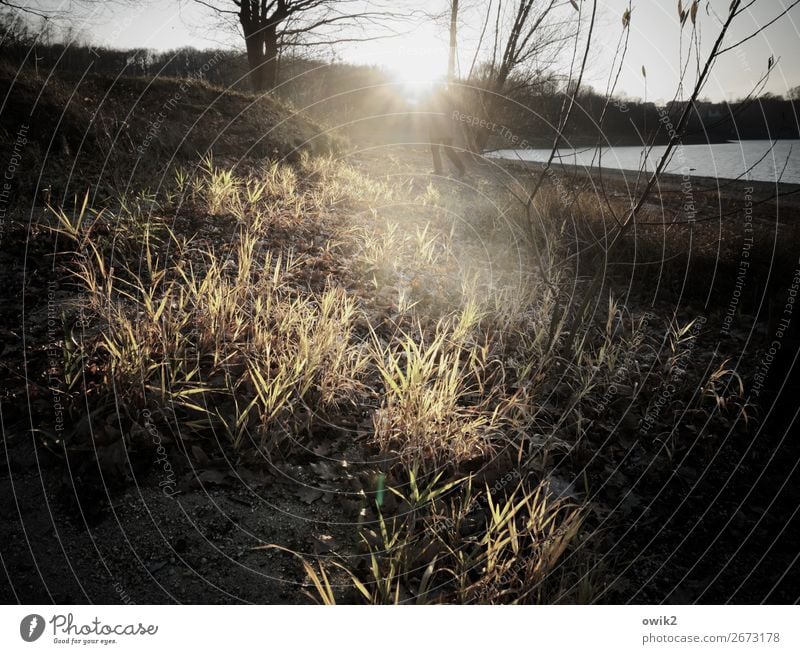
x=218, y=9
x=25, y=9
x=674, y=138
x=760, y=29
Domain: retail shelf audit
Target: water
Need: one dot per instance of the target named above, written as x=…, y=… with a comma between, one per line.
x=723, y=160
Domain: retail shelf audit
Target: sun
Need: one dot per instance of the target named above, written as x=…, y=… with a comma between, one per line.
x=416, y=62
x=418, y=71
x=414, y=86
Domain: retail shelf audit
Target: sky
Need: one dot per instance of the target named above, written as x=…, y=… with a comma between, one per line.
x=655, y=37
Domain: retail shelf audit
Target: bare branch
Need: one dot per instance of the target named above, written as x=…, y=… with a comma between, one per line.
x=759, y=30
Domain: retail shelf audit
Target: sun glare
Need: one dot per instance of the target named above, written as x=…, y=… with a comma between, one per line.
x=414, y=88
x=418, y=71
x=417, y=62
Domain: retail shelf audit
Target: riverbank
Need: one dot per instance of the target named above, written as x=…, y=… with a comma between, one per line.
x=582, y=141
x=729, y=237
x=763, y=160
x=773, y=202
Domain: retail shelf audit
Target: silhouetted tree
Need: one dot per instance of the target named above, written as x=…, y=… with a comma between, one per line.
x=269, y=27
x=517, y=44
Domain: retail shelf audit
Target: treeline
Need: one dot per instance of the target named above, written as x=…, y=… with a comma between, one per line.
x=534, y=116
x=324, y=89
x=22, y=49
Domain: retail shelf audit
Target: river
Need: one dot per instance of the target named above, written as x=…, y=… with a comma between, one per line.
x=722, y=160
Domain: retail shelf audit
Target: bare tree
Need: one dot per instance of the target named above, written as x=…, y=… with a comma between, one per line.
x=528, y=37
x=519, y=41
x=269, y=27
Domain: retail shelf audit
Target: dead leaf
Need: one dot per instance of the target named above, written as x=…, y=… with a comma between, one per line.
x=308, y=494
x=210, y=478
x=324, y=543
x=324, y=471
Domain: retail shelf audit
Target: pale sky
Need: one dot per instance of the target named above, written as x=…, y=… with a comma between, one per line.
x=654, y=41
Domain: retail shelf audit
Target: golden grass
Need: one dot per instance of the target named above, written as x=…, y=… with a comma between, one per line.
x=439, y=552
x=440, y=404
x=455, y=349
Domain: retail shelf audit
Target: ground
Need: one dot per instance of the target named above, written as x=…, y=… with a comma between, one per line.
x=705, y=512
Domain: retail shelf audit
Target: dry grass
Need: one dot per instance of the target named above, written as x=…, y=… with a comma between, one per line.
x=442, y=402
x=458, y=544
x=318, y=305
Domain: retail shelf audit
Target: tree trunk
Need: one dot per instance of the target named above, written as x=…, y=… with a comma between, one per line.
x=451, y=59
x=270, y=68
x=261, y=40
x=255, y=62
